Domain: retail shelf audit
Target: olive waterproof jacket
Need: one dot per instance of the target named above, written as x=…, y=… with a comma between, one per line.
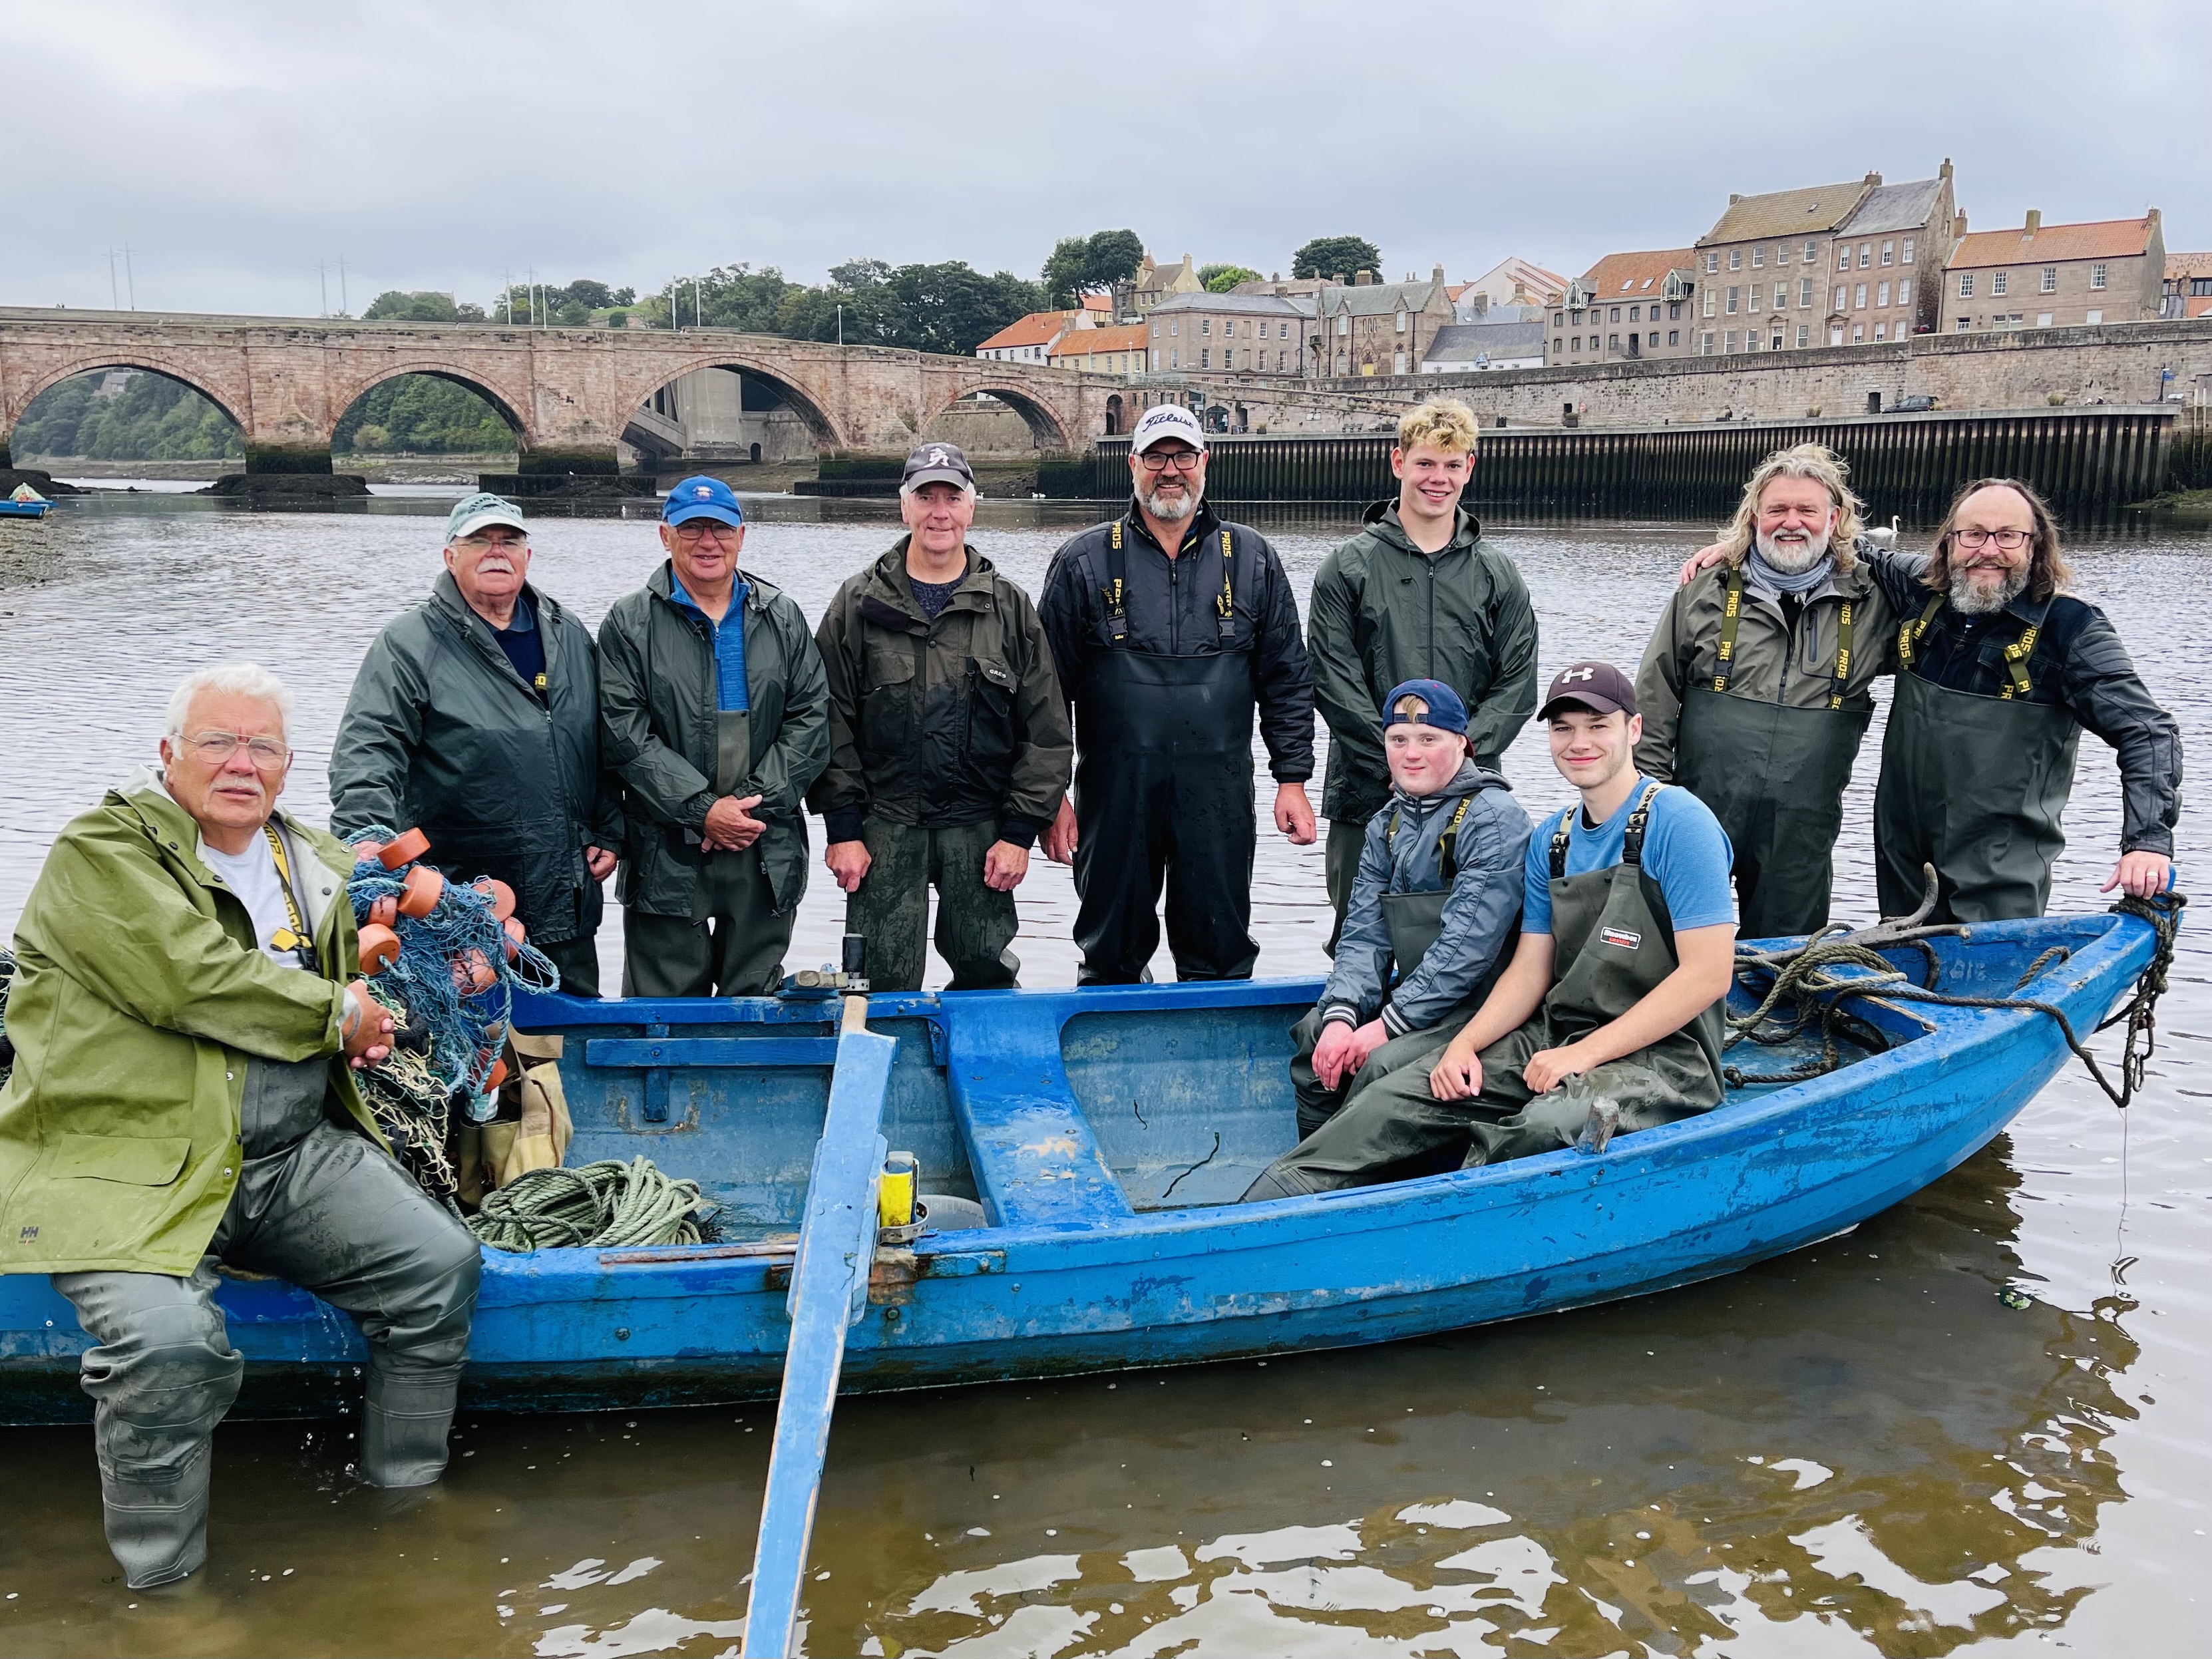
x=658, y=717
x=1384, y=612
x=941, y=723
x=140, y=997
x=441, y=734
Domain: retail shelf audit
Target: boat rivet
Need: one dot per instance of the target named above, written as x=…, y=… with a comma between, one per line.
x=621, y=1333
x=891, y=1315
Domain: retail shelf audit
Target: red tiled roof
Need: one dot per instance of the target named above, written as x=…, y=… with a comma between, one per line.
x=1098, y=302
x=1084, y=342
x=1636, y=276
x=1036, y=329
x=2102, y=239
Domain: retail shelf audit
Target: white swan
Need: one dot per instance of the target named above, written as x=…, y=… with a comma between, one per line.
x=1881, y=538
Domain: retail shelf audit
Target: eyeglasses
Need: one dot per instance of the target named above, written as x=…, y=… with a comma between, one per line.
x=1158, y=460
x=1974, y=540
x=215, y=747
x=484, y=544
x=699, y=527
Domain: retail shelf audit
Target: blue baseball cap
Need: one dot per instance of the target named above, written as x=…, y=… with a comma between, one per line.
x=1446, y=712
x=702, y=498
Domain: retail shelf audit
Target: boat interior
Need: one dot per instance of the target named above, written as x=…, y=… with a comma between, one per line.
x=1085, y=1108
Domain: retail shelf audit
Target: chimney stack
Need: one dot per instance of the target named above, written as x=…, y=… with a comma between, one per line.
x=1733, y=198
x=1364, y=279
x=1944, y=171
x=1439, y=274
x=2034, y=222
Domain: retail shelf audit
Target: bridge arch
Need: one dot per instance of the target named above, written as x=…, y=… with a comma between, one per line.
x=148, y=363
x=346, y=397
x=1047, y=429
x=800, y=401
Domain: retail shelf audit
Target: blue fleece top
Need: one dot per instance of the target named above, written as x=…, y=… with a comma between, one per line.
x=729, y=639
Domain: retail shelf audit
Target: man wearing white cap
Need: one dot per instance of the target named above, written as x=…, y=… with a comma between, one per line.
x=1172, y=629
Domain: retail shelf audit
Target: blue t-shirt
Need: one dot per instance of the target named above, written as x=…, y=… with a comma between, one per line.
x=523, y=644
x=1684, y=848
x=730, y=693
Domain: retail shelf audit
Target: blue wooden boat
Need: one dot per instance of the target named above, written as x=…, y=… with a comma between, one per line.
x=1106, y=1134
x=36, y=507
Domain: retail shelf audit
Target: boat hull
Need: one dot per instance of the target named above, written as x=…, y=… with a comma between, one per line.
x=1032, y=1102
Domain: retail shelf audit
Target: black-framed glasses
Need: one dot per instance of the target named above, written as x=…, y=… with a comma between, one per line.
x=1974, y=540
x=698, y=527
x=1158, y=460
x=215, y=747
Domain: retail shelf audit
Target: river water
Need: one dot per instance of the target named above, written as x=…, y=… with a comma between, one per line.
x=1979, y=1420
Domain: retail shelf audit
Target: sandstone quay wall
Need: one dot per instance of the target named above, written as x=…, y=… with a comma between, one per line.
x=2115, y=363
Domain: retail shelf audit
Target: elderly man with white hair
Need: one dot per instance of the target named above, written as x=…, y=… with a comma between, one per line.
x=187, y=1024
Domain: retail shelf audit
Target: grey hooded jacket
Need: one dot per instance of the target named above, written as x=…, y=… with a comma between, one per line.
x=1489, y=853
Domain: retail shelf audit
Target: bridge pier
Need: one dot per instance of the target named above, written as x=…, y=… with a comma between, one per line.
x=288, y=460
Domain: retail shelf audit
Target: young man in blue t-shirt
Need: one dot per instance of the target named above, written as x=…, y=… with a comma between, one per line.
x=1614, y=994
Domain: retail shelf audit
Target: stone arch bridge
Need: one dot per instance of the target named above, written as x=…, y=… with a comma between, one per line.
x=569, y=394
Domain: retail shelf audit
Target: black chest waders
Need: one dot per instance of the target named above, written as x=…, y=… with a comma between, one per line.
x=1775, y=777
x=1163, y=794
x=1975, y=785
x=1415, y=919
x=718, y=872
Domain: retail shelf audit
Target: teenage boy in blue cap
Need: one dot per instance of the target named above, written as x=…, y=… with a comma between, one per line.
x=716, y=718
x=1613, y=996
x=1436, y=896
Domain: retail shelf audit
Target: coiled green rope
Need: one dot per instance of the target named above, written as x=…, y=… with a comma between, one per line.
x=609, y=1202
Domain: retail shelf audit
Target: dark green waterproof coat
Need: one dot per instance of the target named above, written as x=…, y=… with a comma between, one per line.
x=1383, y=612
x=658, y=715
x=441, y=734
x=941, y=723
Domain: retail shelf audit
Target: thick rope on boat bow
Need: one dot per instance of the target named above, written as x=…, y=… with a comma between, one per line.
x=608, y=1202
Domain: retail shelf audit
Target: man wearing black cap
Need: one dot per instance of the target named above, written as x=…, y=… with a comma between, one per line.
x=948, y=747
x=1170, y=627
x=1613, y=995
x=717, y=719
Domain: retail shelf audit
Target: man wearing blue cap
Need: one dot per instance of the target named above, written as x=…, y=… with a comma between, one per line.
x=475, y=718
x=1430, y=921
x=716, y=718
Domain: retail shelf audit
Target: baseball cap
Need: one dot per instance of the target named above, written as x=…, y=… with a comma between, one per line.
x=1165, y=422
x=936, y=463
x=472, y=512
x=702, y=498
x=1597, y=686
x=1446, y=712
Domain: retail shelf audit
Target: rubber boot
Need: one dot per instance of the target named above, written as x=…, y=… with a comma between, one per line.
x=404, y=1422
x=157, y=1526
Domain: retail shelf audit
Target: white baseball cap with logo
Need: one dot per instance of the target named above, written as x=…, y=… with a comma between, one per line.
x=1165, y=422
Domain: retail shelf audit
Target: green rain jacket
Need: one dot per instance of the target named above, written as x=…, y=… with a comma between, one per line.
x=1383, y=612
x=657, y=713
x=140, y=997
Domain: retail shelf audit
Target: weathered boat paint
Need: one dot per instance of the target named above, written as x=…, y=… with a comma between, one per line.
x=1179, y=1094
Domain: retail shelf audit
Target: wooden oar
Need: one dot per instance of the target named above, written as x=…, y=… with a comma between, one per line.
x=829, y=1293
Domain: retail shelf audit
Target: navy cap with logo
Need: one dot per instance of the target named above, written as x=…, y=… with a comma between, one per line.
x=702, y=498
x=1445, y=711
x=1597, y=686
x=934, y=462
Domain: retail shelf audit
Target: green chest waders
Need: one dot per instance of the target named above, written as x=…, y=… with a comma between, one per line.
x=1612, y=942
x=1975, y=786
x=726, y=879
x=1775, y=777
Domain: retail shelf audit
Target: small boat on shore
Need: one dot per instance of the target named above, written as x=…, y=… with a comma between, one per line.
x=1101, y=1137
x=25, y=504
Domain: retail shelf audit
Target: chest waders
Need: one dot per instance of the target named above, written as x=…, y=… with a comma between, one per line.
x=1975, y=786
x=1415, y=919
x=1164, y=793
x=1774, y=778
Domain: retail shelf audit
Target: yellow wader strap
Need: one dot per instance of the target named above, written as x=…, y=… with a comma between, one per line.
x=1447, y=844
x=1732, y=615
x=1227, y=603
x=1913, y=632
x=1843, y=655
x=1117, y=614
x=2016, y=655
x=294, y=937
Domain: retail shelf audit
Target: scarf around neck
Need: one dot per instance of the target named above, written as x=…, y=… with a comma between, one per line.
x=1784, y=581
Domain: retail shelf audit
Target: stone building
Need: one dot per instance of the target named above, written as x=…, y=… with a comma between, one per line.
x=1628, y=305
x=1027, y=339
x=1382, y=328
x=1504, y=339
x=1770, y=273
x=2039, y=276
x=2188, y=285
x=1108, y=349
x=1243, y=333
x=1155, y=283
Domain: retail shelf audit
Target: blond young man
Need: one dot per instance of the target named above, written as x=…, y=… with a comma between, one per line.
x=1417, y=594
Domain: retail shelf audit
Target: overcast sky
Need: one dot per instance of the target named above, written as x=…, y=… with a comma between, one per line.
x=234, y=146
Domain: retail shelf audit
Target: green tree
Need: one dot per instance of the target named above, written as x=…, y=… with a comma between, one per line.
x=1334, y=257
x=424, y=306
x=1219, y=279
x=1063, y=274
x=590, y=295
x=1091, y=265
x=422, y=415
x=126, y=415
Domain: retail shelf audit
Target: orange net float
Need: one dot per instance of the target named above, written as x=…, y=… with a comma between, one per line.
x=384, y=911
x=420, y=892
x=409, y=846
x=380, y=948
x=501, y=894
x=515, y=934
x=495, y=1077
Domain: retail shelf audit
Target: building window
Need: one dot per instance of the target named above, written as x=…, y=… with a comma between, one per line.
x=1734, y=298
x=1576, y=344
x=1904, y=290
x=2000, y=282
x=1616, y=313
x=1803, y=335
x=1858, y=333
x=1674, y=308
x=1728, y=341
x=1804, y=293
x=1705, y=343
x=1205, y=326
x=1881, y=294
x=1965, y=323
x=1866, y=255
x=1835, y=334
x=1175, y=327
x=1175, y=357
x=1908, y=250
x=1674, y=337
x=1965, y=285
x=1843, y=256
x=1811, y=252
x=1782, y=295
x=2043, y=319
x=1842, y=296
x=1205, y=357
x=1879, y=331
x=1889, y=253
x=1558, y=320
x=2096, y=276
x=1858, y=297
x=1712, y=300
x=2050, y=279
x=1782, y=254
x=1401, y=322
x=1712, y=263
x=2094, y=317
x=1636, y=314
x=1398, y=363
x=2200, y=286
x=1735, y=258
x=1758, y=258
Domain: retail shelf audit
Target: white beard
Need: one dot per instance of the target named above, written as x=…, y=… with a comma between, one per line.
x=1973, y=600
x=1793, y=558
x=1169, y=511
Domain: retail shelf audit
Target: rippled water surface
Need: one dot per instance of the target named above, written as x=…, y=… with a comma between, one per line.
x=1864, y=1447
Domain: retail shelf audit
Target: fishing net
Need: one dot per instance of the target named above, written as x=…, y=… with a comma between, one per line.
x=449, y=990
